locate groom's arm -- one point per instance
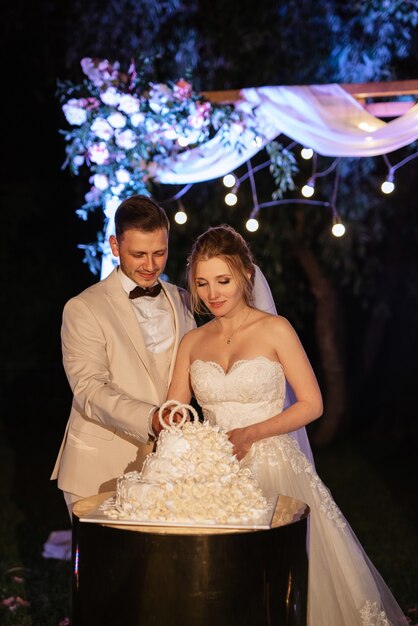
(88, 368)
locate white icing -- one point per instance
(192, 477)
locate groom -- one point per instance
(119, 344)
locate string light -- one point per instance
(231, 198)
(229, 180)
(308, 190)
(388, 185)
(252, 224)
(367, 127)
(181, 216)
(306, 153)
(338, 228)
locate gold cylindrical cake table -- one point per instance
(137, 575)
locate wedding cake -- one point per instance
(192, 477)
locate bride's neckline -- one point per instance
(236, 363)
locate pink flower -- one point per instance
(201, 116)
(182, 89)
(10, 602)
(64, 622)
(98, 153)
(21, 601)
(99, 71)
(18, 579)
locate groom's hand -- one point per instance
(156, 424)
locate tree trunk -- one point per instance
(328, 320)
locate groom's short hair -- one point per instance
(142, 213)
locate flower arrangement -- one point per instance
(124, 126)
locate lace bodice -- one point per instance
(251, 391)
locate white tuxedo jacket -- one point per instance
(107, 366)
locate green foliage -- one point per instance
(283, 167)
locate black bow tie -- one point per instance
(152, 292)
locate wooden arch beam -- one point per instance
(360, 91)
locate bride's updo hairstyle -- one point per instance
(224, 242)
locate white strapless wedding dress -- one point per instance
(345, 589)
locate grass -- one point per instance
(375, 490)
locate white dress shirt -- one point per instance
(156, 322)
(154, 316)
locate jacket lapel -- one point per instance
(172, 296)
(119, 301)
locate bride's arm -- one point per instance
(180, 388)
(299, 373)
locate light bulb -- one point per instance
(338, 229)
(252, 225)
(308, 190)
(387, 186)
(306, 153)
(180, 217)
(367, 127)
(231, 199)
(229, 180)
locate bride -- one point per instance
(236, 366)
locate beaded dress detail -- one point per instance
(345, 589)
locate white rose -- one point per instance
(128, 104)
(151, 126)
(101, 181)
(111, 96)
(123, 176)
(117, 120)
(101, 128)
(170, 133)
(98, 153)
(137, 119)
(74, 113)
(111, 206)
(159, 95)
(117, 190)
(126, 139)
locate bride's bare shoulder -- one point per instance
(276, 323)
(197, 334)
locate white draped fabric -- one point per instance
(322, 117)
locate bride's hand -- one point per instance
(241, 440)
